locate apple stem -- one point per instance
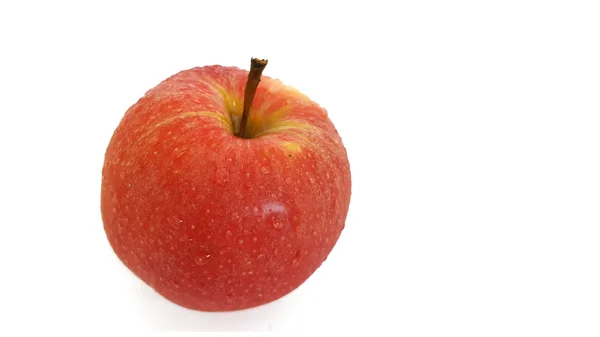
(256, 68)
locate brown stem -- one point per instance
(256, 68)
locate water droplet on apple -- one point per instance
(202, 259)
(312, 180)
(288, 180)
(222, 175)
(174, 221)
(296, 258)
(236, 218)
(180, 154)
(276, 214)
(265, 170)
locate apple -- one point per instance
(223, 190)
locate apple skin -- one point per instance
(214, 222)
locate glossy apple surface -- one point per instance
(215, 222)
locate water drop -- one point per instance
(222, 175)
(265, 170)
(236, 218)
(288, 180)
(174, 221)
(182, 153)
(296, 258)
(202, 259)
(275, 213)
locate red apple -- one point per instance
(216, 215)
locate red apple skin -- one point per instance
(214, 222)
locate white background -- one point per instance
(472, 127)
